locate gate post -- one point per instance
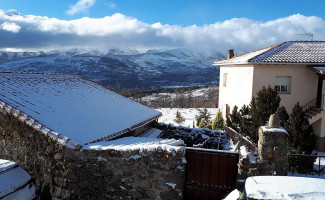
(272, 148)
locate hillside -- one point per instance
(125, 68)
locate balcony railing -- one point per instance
(311, 104)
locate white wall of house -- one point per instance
(243, 81)
(303, 82)
(238, 88)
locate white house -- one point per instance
(295, 68)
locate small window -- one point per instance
(225, 79)
(282, 84)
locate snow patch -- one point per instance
(252, 157)
(173, 185)
(138, 143)
(280, 129)
(284, 187)
(169, 114)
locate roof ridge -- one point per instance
(271, 48)
(251, 52)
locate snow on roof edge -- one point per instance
(21, 116)
(120, 133)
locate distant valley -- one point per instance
(127, 69)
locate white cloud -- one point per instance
(11, 27)
(119, 30)
(80, 6)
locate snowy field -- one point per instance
(169, 115)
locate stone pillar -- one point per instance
(273, 148)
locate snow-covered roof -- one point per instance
(6, 164)
(284, 187)
(297, 52)
(14, 182)
(70, 109)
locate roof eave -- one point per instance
(266, 63)
(284, 63)
(222, 64)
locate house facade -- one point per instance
(295, 69)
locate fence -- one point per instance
(237, 137)
(306, 164)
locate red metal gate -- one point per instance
(210, 174)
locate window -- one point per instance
(225, 79)
(282, 84)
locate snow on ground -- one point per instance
(169, 115)
(137, 143)
(284, 187)
(234, 195)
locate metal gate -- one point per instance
(210, 174)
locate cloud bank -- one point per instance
(120, 31)
(80, 6)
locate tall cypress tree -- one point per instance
(301, 133)
(283, 116)
(233, 120)
(266, 103)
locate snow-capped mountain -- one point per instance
(130, 68)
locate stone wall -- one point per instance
(61, 173)
(272, 151)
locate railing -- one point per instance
(311, 104)
(237, 137)
(306, 164)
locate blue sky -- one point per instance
(180, 12)
(147, 24)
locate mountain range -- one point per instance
(127, 68)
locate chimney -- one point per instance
(230, 53)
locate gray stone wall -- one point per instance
(61, 173)
(272, 151)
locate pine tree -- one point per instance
(203, 114)
(218, 122)
(234, 119)
(301, 133)
(246, 125)
(283, 116)
(179, 118)
(267, 102)
(202, 124)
